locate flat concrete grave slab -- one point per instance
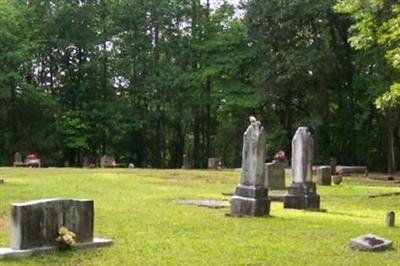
(370, 242)
(208, 203)
(9, 253)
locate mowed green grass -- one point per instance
(134, 207)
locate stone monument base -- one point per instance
(9, 253)
(250, 201)
(301, 196)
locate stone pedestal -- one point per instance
(302, 196)
(251, 196)
(250, 201)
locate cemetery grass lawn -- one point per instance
(135, 208)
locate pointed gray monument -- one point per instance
(251, 196)
(302, 193)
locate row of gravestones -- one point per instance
(106, 161)
(31, 160)
(36, 227)
(251, 195)
(275, 176)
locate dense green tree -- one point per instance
(375, 31)
(150, 81)
(306, 73)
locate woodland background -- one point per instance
(149, 81)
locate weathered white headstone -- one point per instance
(251, 197)
(302, 193)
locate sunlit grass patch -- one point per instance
(135, 207)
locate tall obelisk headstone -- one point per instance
(302, 193)
(251, 197)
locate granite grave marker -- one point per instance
(251, 196)
(35, 225)
(302, 192)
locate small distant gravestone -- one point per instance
(86, 162)
(35, 225)
(302, 193)
(107, 161)
(187, 162)
(371, 243)
(251, 196)
(17, 157)
(213, 163)
(390, 218)
(275, 175)
(324, 176)
(18, 160)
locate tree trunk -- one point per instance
(391, 160)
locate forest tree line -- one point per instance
(150, 81)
